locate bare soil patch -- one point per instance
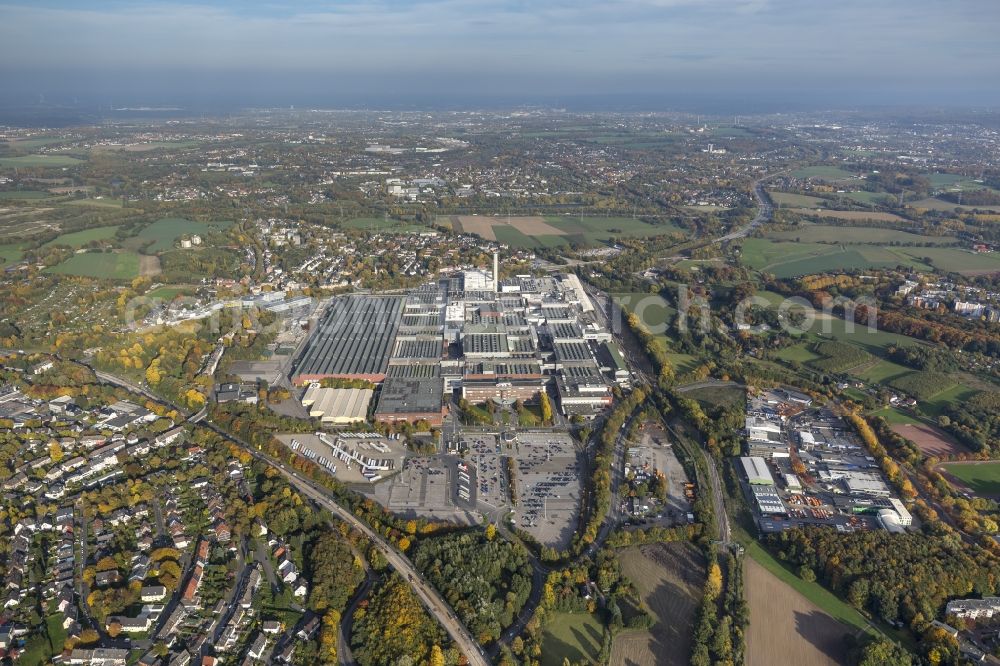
(669, 578)
(929, 439)
(786, 629)
(149, 265)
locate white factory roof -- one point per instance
(342, 405)
(756, 470)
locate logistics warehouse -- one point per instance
(469, 334)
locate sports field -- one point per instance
(930, 440)
(25, 161)
(165, 232)
(982, 478)
(554, 230)
(111, 265)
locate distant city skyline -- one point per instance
(624, 53)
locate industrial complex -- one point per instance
(469, 336)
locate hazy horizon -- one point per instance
(724, 55)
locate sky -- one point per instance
(640, 53)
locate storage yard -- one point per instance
(806, 466)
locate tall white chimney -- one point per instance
(496, 272)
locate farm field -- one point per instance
(669, 578)
(381, 224)
(11, 253)
(933, 203)
(982, 478)
(103, 203)
(784, 199)
(850, 215)
(79, 238)
(883, 371)
(935, 406)
(166, 231)
(573, 636)
(792, 259)
(799, 353)
(829, 233)
(552, 231)
(824, 173)
(865, 197)
(786, 628)
(111, 265)
(54, 161)
(930, 440)
(24, 194)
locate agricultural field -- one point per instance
(382, 224)
(785, 199)
(54, 161)
(829, 233)
(24, 195)
(552, 231)
(11, 253)
(100, 203)
(786, 628)
(573, 636)
(881, 372)
(939, 402)
(850, 215)
(798, 353)
(164, 233)
(830, 173)
(930, 440)
(933, 203)
(836, 356)
(80, 238)
(792, 259)
(669, 578)
(923, 385)
(110, 265)
(981, 478)
(868, 198)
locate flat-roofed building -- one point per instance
(756, 471)
(353, 340)
(337, 405)
(411, 400)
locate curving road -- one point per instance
(765, 211)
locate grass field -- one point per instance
(39, 161)
(982, 478)
(800, 353)
(24, 194)
(937, 404)
(166, 231)
(11, 253)
(850, 215)
(831, 173)
(829, 233)
(783, 199)
(718, 395)
(933, 203)
(883, 371)
(116, 266)
(101, 203)
(169, 293)
(555, 230)
(381, 224)
(867, 198)
(786, 627)
(80, 238)
(669, 578)
(573, 636)
(652, 309)
(894, 416)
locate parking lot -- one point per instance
(310, 446)
(548, 487)
(485, 460)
